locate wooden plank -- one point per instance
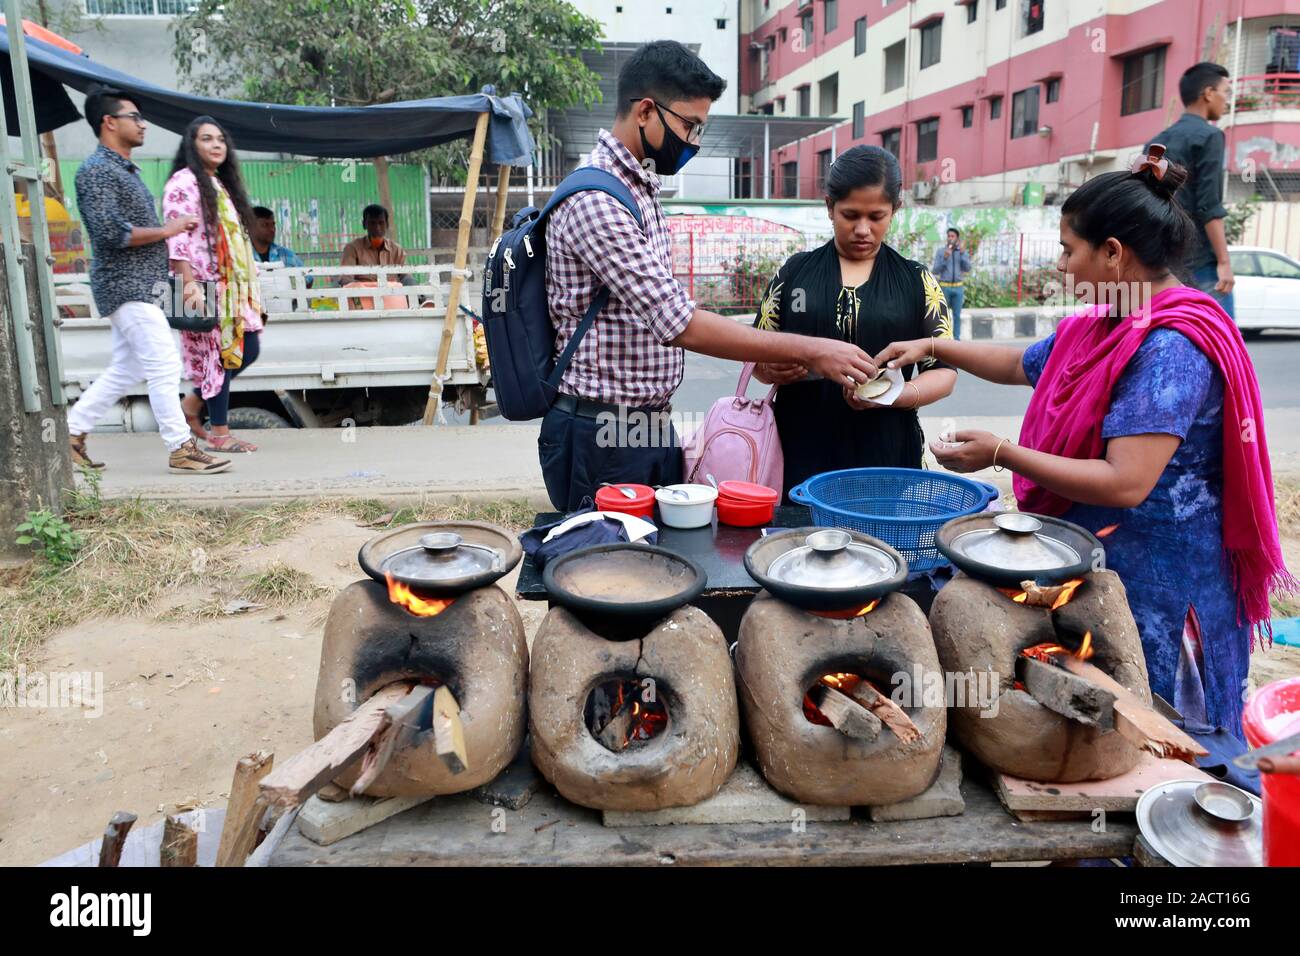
(110, 849)
(244, 810)
(180, 844)
(1067, 693)
(304, 773)
(143, 846)
(890, 714)
(845, 714)
(406, 718)
(448, 731)
(327, 823)
(1135, 720)
(451, 831)
(1116, 795)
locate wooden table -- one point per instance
(550, 831)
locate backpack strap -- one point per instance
(582, 180)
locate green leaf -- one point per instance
(24, 539)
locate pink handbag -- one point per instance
(737, 441)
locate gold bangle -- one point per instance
(918, 394)
(995, 454)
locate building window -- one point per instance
(831, 18)
(1031, 16)
(895, 65)
(995, 108)
(967, 117)
(828, 95)
(1000, 5)
(859, 36)
(139, 8)
(1024, 113)
(931, 34)
(790, 180)
(859, 119)
(1144, 82)
(927, 140)
(890, 140)
(805, 101)
(722, 23)
(806, 24)
(1053, 90)
(823, 169)
(972, 11)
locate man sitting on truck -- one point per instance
(372, 249)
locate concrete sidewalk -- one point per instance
(396, 464)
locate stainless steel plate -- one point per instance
(1014, 543)
(831, 559)
(441, 559)
(1195, 823)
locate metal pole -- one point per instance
(1232, 108)
(767, 161)
(1020, 270)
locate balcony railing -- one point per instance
(1269, 91)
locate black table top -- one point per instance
(719, 549)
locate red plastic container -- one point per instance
(642, 506)
(744, 514)
(748, 493)
(1274, 713)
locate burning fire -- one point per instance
(1107, 531)
(1047, 652)
(840, 681)
(849, 614)
(1062, 598)
(630, 718)
(399, 593)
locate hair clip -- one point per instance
(1155, 162)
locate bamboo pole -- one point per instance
(503, 195)
(457, 278)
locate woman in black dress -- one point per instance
(861, 290)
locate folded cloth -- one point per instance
(547, 542)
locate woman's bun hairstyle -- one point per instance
(1174, 178)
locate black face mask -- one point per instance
(675, 152)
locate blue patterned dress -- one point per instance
(1168, 550)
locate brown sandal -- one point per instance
(195, 421)
(229, 444)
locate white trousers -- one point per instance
(143, 349)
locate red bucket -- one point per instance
(1274, 713)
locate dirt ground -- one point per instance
(183, 700)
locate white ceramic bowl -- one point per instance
(693, 511)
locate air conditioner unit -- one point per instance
(921, 190)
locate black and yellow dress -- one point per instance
(900, 300)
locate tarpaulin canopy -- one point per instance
(326, 131)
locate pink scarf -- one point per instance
(1073, 395)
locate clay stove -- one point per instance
(632, 704)
(815, 682)
(981, 627)
(384, 631)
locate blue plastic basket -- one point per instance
(903, 507)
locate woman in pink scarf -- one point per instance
(1145, 425)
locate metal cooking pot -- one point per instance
(1008, 548)
(441, 557)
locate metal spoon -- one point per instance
(627, 492)
(712, 481)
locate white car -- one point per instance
(1267, 292)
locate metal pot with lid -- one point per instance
(1199, 823)
(825, 569)
(1011, 547)
(441, 557)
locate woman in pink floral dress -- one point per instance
(217, 265)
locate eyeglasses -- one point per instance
(694, 130)
(134, 117)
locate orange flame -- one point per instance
(1045, 652)
(1062, 599)
(1107, 531)
(840, 681)
(849, 614)
(399, 593)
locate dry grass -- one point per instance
(137, 552)
(1286, 493)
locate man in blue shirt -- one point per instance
(265, 248)
(1196, 143)
(951, 263)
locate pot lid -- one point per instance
(748, 492)
(1015, 542)
(686, 494)
(441, 557)
(1195, 823)
(831, 559)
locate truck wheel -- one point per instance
(252, 417)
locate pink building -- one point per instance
(987, 101)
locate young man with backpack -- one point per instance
(628, 358)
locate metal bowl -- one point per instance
(1195, 823)
(627, 584)
(441, 557)
(825, 569)
(1008, 548)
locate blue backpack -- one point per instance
(516, 316)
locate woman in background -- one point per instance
(859, 289)
(216, 263)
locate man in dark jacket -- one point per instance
(1197, 144)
